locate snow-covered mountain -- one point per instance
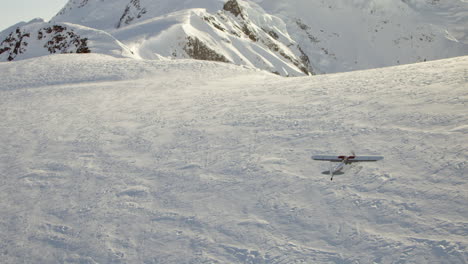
(38, 38)
(344, 35)
(237, 32)
(290, 38)
(108, 160)
(234, 31)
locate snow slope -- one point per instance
(109, 14)
(195, 33)
(137, 161)
(38, 38)
(345, 35)
(238, 32)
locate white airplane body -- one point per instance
(344, 160)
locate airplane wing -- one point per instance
(348, 158)
(366, 158)
(327, 158)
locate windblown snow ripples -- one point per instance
(175, 162)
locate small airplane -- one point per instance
(344, 160)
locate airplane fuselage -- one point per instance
(345, 159)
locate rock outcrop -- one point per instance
(39, 38)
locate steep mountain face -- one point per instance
(344, 35)
(293, 38)
(132, 11)
(39, 38)
(238, 32)
(111, 14)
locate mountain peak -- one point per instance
(291, 39)
(233, 7)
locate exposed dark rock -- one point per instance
(83, 46)
(5, 49)
(273, 34)
(200, 51)
(132, 11)
(213, 22)
(58, 29)
(56, 39)
(83, 3)
(15, 44)
(303, 65)
(305, 60)
(233, 7)
(301, 25)
(235, 34)
(295, 62)
(246, 28)
(306, 29)
(250, 33)
(61, 42)
(271, 45)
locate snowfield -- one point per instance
(108, 160)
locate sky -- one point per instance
(12, 12)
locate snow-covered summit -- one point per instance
(109, 14)
(232, 34)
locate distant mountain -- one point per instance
(293, 38)
(345, 35)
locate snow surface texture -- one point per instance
(109, 160)
(290, 38)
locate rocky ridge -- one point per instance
(39, 38)
(54, 39)
(238, 32)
